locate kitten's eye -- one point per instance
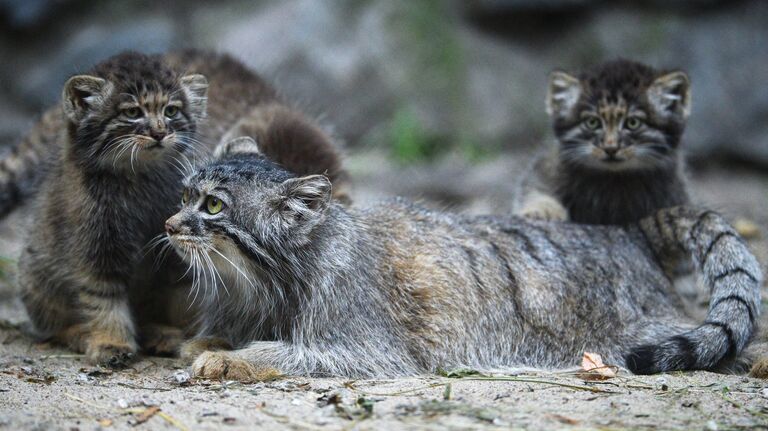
(592, 123)
(185, 197)
(633, 123)
(214, 205)
(171, 111)
(132, 112)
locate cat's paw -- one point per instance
(195, 347)
(544, 208)
(225, 366)
(109, 351)
(760, 368)
(160, 340)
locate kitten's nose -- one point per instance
(157, 135)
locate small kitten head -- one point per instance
(132, 109)
(620, 116)
(245, 208)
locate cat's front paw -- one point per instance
(760, 368)
(225, 366)
(196, 346)
(109, 351)
(159, 340)
(544, 208)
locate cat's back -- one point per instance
(233, 88)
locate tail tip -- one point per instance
(640, 360)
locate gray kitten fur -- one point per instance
(302, 285)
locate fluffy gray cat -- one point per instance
(299, 284)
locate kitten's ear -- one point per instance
(196, 89)
(562, 93)
(306, 199)
(671, 93)
(83, 93)
(241, 145)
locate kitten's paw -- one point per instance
(159, 340)
(760, 368)
(225, 366)
(195, 347)
(109, 351)
(544, 208)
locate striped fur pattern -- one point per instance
(240, 103)
(618, 129)
(299, 284)
(94, 275)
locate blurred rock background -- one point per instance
(436, 99)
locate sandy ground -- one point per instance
(44, 387)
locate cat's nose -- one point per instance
(171, 228)
(611, 151)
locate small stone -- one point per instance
(662, 383)
(230, 420)
(181, 377)
(711, 426)
(296, 402)
(121, 403)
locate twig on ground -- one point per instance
(740, 406)
(289, 421)
(148, 412)
(131, 386)
(63, 356)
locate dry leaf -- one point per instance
(564, 419)
(147, 414)
(746, 228)
(593, 368)
(105, 422)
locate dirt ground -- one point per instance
(44, 387)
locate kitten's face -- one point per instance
(135, 113)
(621, 117)
(244, 212)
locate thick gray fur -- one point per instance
(303, 285)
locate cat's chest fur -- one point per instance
(617, 198)
(119, 216)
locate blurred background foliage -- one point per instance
(417, 80)
(438, 100)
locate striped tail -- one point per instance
(733, 276)
(21, 168)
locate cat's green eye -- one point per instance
(132, 112)
(185, 197)
(171, 111)
(633, 123)
(592, 123)
(213, 205)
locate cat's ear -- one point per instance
(83, 93)
(671, 94)
(196, 89)
(563, 93)
(305, 200)
(241, 145)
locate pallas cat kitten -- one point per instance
(617, 159)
